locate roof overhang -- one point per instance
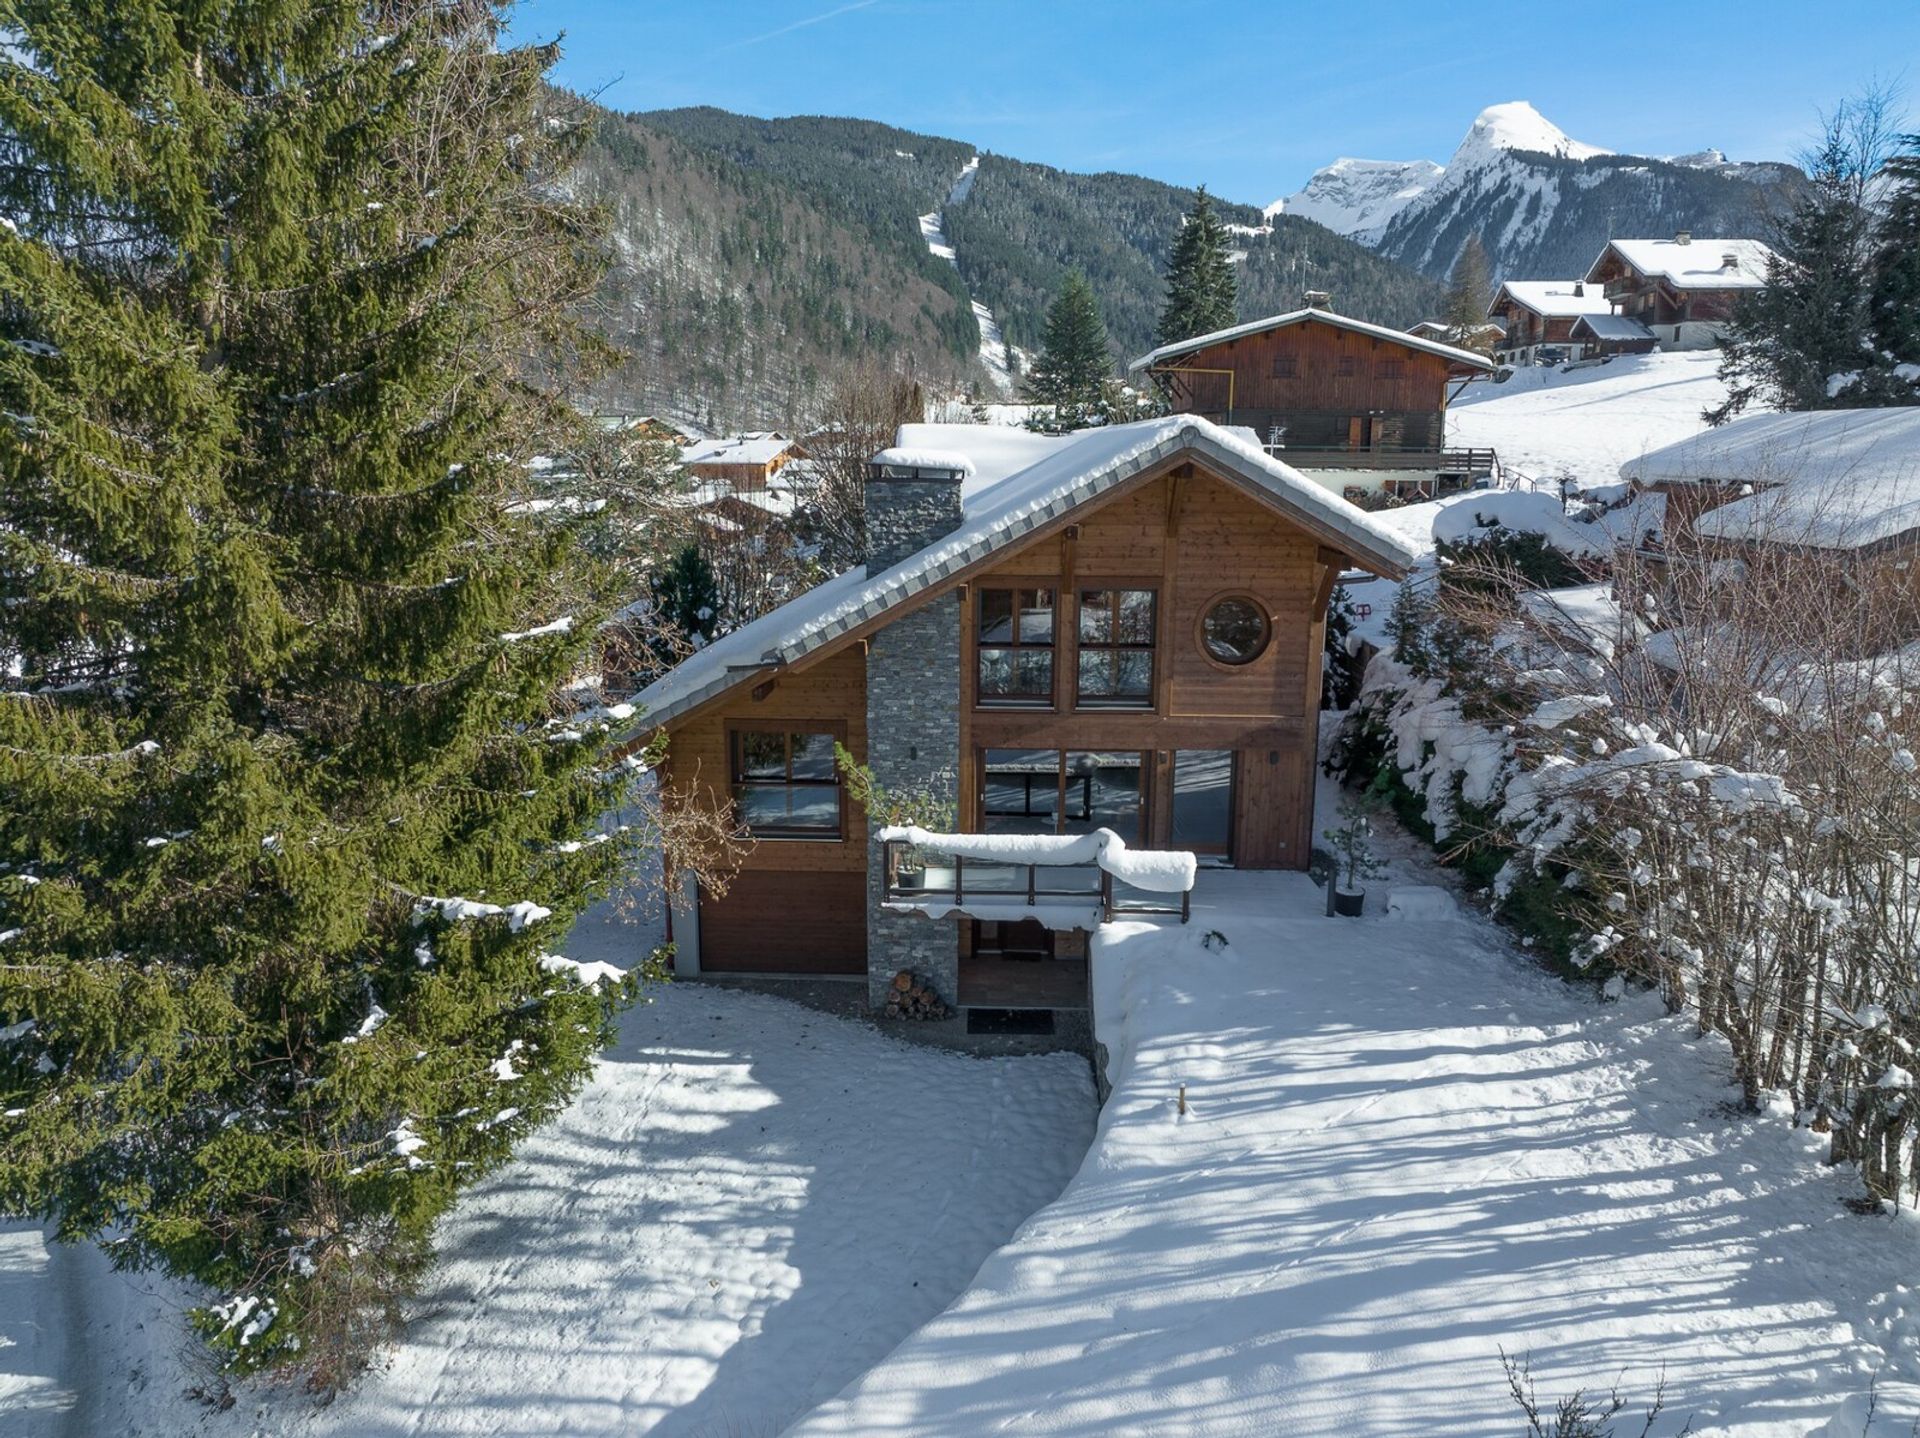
(1162, 357)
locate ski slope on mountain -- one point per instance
(1404, 1148)
(993, 344)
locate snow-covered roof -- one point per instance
(1831, 479)
(1700, 264)
(902, 456)
(1612, 327)
(1294, 317)
(1020, 482)
(762, 447)
(1555, 299)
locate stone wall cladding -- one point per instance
(913, 719)
(913, 741)
(904, 516)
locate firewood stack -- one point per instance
(911, 997)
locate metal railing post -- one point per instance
(959, 879)
(1033, 871)
(1106, 897)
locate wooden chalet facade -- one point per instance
(743, 461)
(1356, 405)
(1121, 630)
(1541, 315)
(1684, 289)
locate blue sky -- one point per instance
(1248, 97)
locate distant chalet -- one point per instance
(1358, 407)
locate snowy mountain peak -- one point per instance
(1516, 125)
(1358, 197)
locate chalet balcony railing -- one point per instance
(1448, 461)
(917, 874)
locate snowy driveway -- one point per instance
(751, 1204)
(1404, 1149)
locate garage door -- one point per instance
(786, 923)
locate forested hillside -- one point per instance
(756, 256)
(1025, 225)
(738, 294)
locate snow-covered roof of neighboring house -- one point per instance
(1021, 481)
(760, 447)
(1553, 299)
(1829, 479)
(1428, 328)
(1612, 327)
(1294, 317)
(1700, 264)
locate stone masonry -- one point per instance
(913, 719)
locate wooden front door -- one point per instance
(772, 922)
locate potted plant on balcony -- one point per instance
(1354, 861)
(925, 806)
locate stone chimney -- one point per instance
(1317, 300)
(1683, 237)
(912, 499)
(1579, 289)
(1729, 261)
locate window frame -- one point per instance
(1017, 645)
(1062, 784)
(1112, 647)
(737, 730)
(1266, 631)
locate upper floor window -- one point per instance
(1015, 642)
(1284, 367)
(786, 784)
(1116, 647)
(1347, 367)
(1388, 369)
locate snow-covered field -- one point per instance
(750, 1205)
(1405, 1148)
(1588, 422)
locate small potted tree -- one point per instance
(1353, 858)
(921, 807)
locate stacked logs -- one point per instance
(911, 997)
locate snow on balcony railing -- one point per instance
(1073, 879)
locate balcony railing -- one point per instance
(1440, 461)
(916, 875)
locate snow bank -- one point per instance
(1160, 871)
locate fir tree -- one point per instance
(1469, 292)
(295, 798)
(1200, 279)
(1076, 362)
(686, 601)
(1894, 304)
(1810, 326)
(1343, 667)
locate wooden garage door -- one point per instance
(786, 923)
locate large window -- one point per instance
(1051, 791)
(1116, 648)
(785, 783)
(1015, 629)
(1203, 800)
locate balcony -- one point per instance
(1068, 881)
(1470, 462)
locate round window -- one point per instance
(1235, 630)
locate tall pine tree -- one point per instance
(1788, 343)
(1469, 292)
(1200, 279)
(295, 800)
(1894, 305)
(1076, 360)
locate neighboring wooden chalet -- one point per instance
(1120, 628)
(1837, 489)
(649, 425)
(1540, 315)
(1488, 336)
(1683, 289)
(1357, 406)
(1595, 335)
(745, 461)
